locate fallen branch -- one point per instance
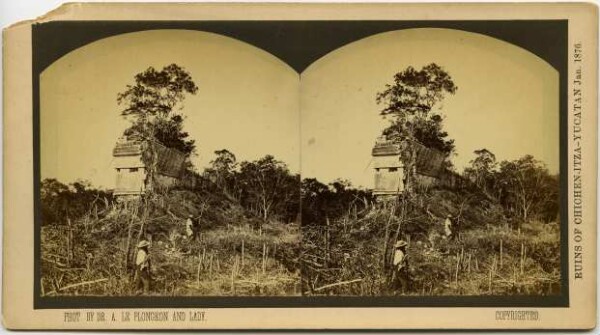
(70, 269)
(54, 255)
(318, 265)
(55, 262)
(83, 283)
(338, 284)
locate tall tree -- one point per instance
(482, 169)
(150, 105)
(410, 102)
(269, 188)
(169, 132)
(225, 161)
(222, 171)
(321, 202)
(527, 188)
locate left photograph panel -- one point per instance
(169, 166)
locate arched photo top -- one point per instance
(300, 43)
(507, 100)
(139, 38)
(242, 90)
(450, 37)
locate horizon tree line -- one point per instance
(266, 186)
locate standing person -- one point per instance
(448, 232)
(142, 276)
(400, 266)
(195, 229)
(189, 226)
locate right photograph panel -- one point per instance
(430, 167)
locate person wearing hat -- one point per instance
(142, 276)
(400, 266)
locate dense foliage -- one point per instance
(321, 202)
(524, 186)
(265, 187)
(60, 202)
(411, 103)
(150, 105)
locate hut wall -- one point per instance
(130, 180)
(389, 175)
(429, 167)
(131, 172)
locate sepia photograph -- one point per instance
(169, 166)
(301, 167)
(192, 173)
(430, 166)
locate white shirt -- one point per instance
(399, 256)
(188, 227)
(447, 227)
(142, 255)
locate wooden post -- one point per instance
(521, 258)
(490, 281)
(233, 266)
(127, 259)
(143, 222)
(327, 251)
(198, 271)
(69, 242)
(500, 253)
(457, 269)
(242, 261)
(469, 263)
(386, 236)
(263, 257)
(266, 258)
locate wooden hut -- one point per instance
(131, 172)
(390, 161)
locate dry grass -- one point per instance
(238, 255)
(490, 261)
(490, 257)
(232, 257)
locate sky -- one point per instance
(247, 101)
(322, 123)
(507, 100)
